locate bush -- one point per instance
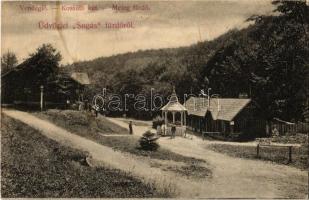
(148, 141)
(157, 121)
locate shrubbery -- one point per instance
(148, 141)
(157, 121)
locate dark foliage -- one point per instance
(268, 61)
(43, 64)
(157, 121)
(8, 61)
(22, 83)
(148, 141)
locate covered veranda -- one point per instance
(174, 114)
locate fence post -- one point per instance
(290, 154)
(258, 150)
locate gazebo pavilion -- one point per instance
(174, 108)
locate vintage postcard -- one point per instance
(155, 99)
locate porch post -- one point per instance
(185, 118)
(173, 117)
(181, 116)
(231, 126)
(165, 118)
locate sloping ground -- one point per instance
(166, 182)
(162, 158)
(118, 138)
(236, 177)
(35, 166)
(83, 122)
(278, 154)
(297, 138)
(232, 177)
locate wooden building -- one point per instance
(224, 116)
(18, 87)
(82, 81)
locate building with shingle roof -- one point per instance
(224, 115)
(18, 86)
(220, 108)
(81, 78)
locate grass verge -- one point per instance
(81, 121)
(269, 153)
(69, 120)
(37, 167)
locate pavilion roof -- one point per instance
(173, 104)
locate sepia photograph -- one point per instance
(198, 99)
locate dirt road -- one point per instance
(232, 177)
(106, 156)
(236, 177)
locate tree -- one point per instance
(284, 51)
(41, 67)
(8, 61)
(269, 61)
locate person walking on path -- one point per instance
(173, 130)
(130, 128)
(159, 131)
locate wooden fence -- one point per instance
(289, 147)
(302, 127)
(291, 128)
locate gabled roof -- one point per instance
(173, 104)
(14, 69)
(81, 78)
(282, 121)
(220, 108)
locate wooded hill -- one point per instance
(268, 61)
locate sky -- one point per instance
(165, 24)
